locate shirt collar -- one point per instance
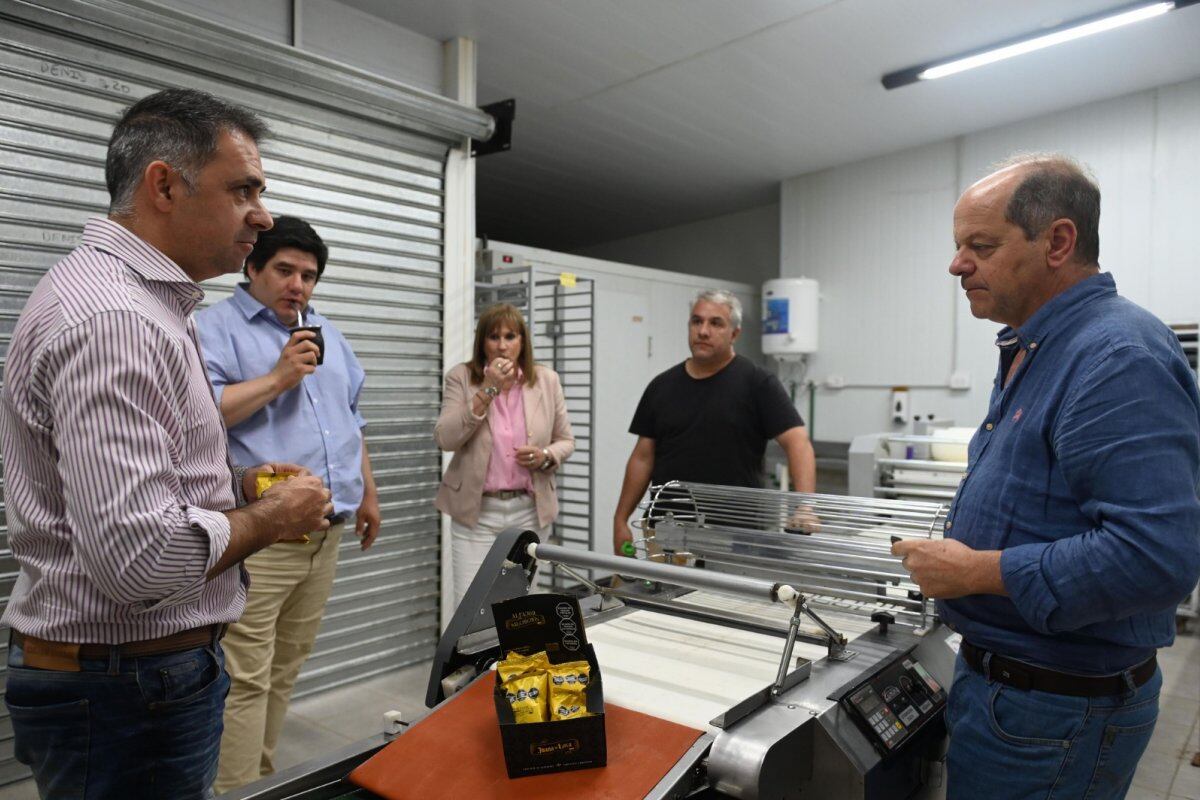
(250, 307)
(246, 303)
(142, 257)
(1058, 311)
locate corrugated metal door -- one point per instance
(373, 190)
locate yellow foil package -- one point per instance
(527, 696)
(567, 705)
(517, 664)
(263, 482)
(568, 683)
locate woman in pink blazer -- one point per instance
(505, 419)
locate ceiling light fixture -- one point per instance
(1066, 32)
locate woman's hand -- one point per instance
(500, 374)
(530, 457)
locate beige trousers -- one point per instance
(264, 650)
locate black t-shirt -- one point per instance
(713, 430)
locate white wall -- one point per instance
(877, 235)
(270, 19)
(738, 247)
(333, 30)
(383, 48)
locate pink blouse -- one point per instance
(507, 421)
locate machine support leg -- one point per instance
(788, 646)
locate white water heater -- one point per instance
(789, 317)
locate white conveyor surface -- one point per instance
(688, 671)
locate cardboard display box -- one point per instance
(554, 623)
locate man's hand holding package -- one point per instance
(250, 478)
(945, 568)
(300, 504)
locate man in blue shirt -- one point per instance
(1076, 530)
(276, 398)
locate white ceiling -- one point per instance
(635, 115)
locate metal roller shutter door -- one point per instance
(371, 183)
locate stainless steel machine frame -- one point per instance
(822, 562)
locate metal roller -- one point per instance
(667, 573)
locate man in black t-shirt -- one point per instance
(708, 419)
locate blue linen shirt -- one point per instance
(1085, 475)
(316, 424)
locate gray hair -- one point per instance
(724, 298)
(178, 126)
(1053, 187)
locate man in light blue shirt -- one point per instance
(288, 384)
(1076, 530)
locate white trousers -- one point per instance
(468, 546)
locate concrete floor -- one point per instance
(344, 715)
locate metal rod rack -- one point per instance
(834, 549)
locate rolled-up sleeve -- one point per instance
(1128, 443)
(358, 379)
(118, 419)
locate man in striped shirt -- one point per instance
(125, 515)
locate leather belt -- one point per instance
(506, 494)
(1024, 676)
(65, 656)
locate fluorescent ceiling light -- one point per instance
(1028, 44)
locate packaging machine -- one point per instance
(777, 625)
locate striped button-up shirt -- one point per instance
(115, 461)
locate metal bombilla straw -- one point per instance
(299, 314)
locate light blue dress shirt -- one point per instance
(315, 424)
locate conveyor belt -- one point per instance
(688, 671)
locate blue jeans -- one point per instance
(147, 727)
(1020, 745)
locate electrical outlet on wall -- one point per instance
(960, 380)
(836, 382)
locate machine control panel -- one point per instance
(895, 703)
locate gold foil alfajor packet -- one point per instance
(262, 482)
(568, 705)
(516, 664)
(527, 696)
(568, 683)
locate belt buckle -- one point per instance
(1013, 676)
(56, 656)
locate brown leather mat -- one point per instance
(455, 752)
